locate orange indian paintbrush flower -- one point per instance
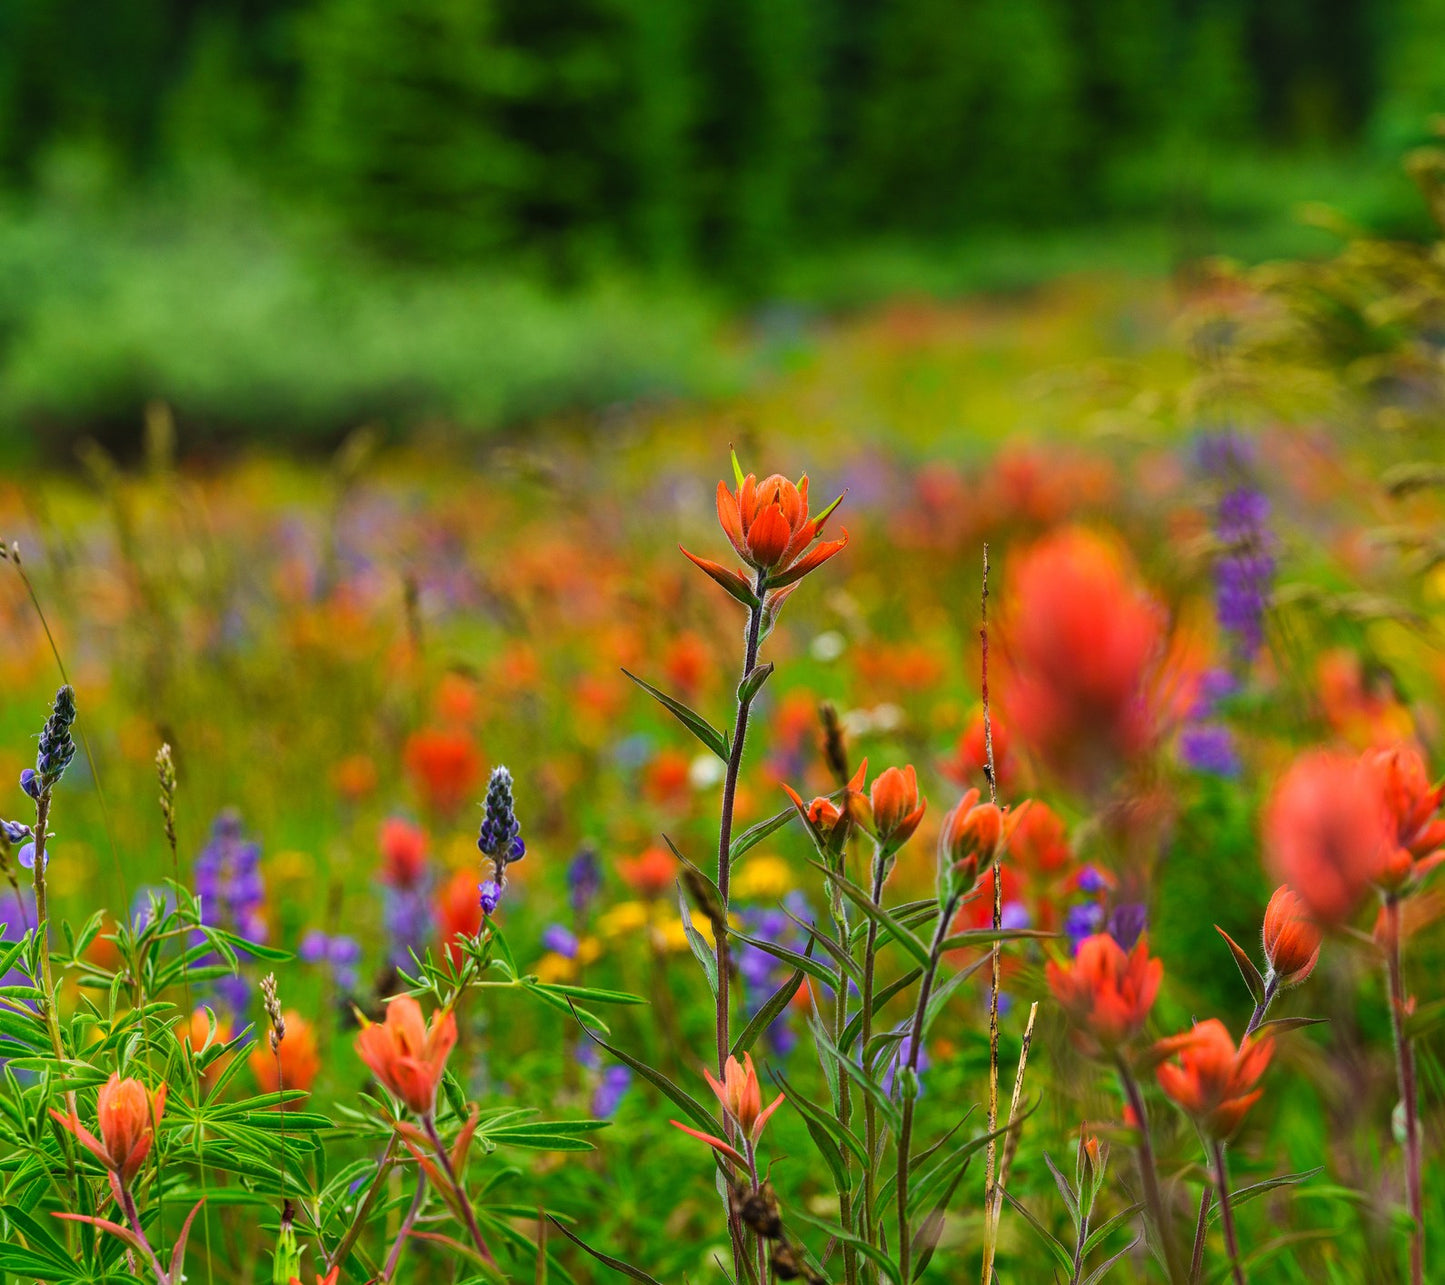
(1107, 993)
(1213, 1082)
(769, 526)
(971, 837)
(127, 1114)
(1411, 807)
(1291, 938)
(742, 1104)
(406, 1055)
(330, 1278)
(892, 809)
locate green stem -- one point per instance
(1148, 1173)
(463, 1200)
(1405, 1064)
(1226, 1214)
(868, 1214)
(363, 1211)
(915, 1043)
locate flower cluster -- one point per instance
(56, 748)
(232, 894)
(500, 838)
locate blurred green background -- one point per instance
(286, 216)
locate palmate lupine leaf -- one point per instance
(690, 719)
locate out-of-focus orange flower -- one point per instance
(444, 766)
(650, 873)
(403, 852)
(1083, 641)
(1036, 839)
(102, 951)
(1365, 711)
(1411, 807)
(456, 700)
(458, 912)
(354, 777)
(406, 1054)
(1213, 1082)
(1291, 938)
(769, 526)
(195, 1031)
(666, 778)
(892, 809)
(297, 1053)
(1325, 834)
(970, 759)
(686, 662)
(127, 1115)
(1105, 992)
(742, 1103)
(331, 1277)
(971, 837)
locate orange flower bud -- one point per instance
(127, 1115)
(407, 1056)
(1107, 993)
(1213, 1082)
(971, 837)
(1291, 938)
(892, 809)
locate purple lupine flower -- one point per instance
(560, 940)
(26, 857)
(1082, 920)
(1244, 569)
(584, 879)
(406, 914)
(56, 747)
(762, 973)
(14, 832)
(1209, 748)
(1090, 880)
(501, 833)
(611, 1089)
(1127, 922)
(232, 894)
(341, 954)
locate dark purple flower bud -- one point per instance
(15, 832)
(30, 782)
(584, 879)
(500, 836)
(491, 896)
(1127, 922)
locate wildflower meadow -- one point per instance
(965, 807)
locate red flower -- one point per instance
(458, 912)
(1107, 993)
(1325, 835)
(330, 1278)
(127, 1115)
(1291, 938)
(651, 873)
(971, 837)
(1213, 1082)
(406, 1055)
(403, 852)
(1036, 839)
(666, 780)
(1083, 643)
(1411, 807)
(300, 1061)
(444, 766)
(829, 818)
(971, 756)
(769, 526)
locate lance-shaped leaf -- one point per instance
(815, 968)
(755, 834)
(698, 1113)
(616, 1264)
(1247, 970)
(178, 1255)
(1102, 1270)
(1106, 1229)
(701, 950)
(769, 1012)
(842, 1234)
(690, 719)
(1255, 1190)
(1054, 1245)
(1280, 1024)
(908, 940)
(753, 683)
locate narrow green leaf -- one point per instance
(694, 1110)
(1245, 964)
(908, 940)
(690, 719)
(1255, 1190)
(616, 1264)
(697, 943)
(872, 1254)
(1055, 1246)
(754, 835)
(753, 683)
